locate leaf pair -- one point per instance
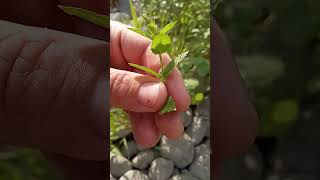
(161, 43)
(168, 69)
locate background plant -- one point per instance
(192, 33)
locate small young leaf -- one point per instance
(134, 15)
(145, 69)
(92, 17)
(170, 106)
(146, 18)
(173, 63)
(168, 27)
(153, 28)
(140, 32)
(161, 43)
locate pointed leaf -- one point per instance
(134, 15)
(146, 69)
(153, 28)
(170, 106)
(140, 32)
(173, 63)
(161, 43)
(168, 27)
(92, 17)
(146, 18)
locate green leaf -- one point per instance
(146, 69)
(202, 66)
(170, 106)
(191, 84)
(173, 63)
(197, 98)
(285, 112)
(141, 32)
(134, 15)
(153, 28)
(146, 18)
(168, 27)
(161, 43)
(93, 17)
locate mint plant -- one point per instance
(161, 44)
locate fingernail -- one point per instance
(148, 94)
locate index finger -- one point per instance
(130, 47)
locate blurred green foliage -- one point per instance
(119, 126)
(277, 45)
(26, 164)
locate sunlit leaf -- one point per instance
(153, 28)
(197, 98)
(161, 43)
(146, 69)
(147, 18)
(173, 63)
(92, 17)
(168, 27)
(170, 106)
(140, 32)
(134, 15)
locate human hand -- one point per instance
(142, 96)
(54, 84)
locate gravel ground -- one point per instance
(187, 158)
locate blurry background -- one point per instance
(277, 47)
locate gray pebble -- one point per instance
(197, 130)
(131, 150)
(160, 169)
(119, 165)
(186, 117)
(180, 151)
(112, 178)
(200, 166)
(143, 159)
(134, 175)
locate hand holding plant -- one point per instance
(126, 83)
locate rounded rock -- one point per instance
(200, 167)
(161, 169)
(134, 175)
(119, 165)
(130, 150)
(180, 151)
(143, 159)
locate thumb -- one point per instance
(136, 92)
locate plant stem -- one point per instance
(161, 63)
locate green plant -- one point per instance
(192, 32)
(161, 44)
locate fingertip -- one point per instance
(162, 97)
(170, 125)
(144, 129)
